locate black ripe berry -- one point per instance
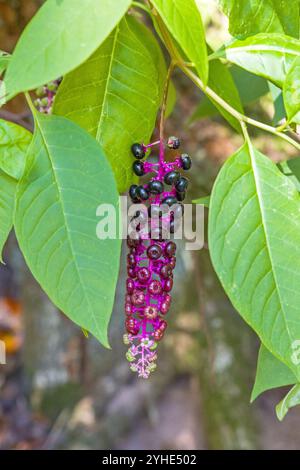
(172, 177)
(138, 168)
(142, 193)
(133, 192)
(138, 151)
(182, 184)
(155, 187)
(169, 200)
(186, 161)
(180, 196)
(170, 249)
(173, 143)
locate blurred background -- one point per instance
(60, 390)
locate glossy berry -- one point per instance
(131, 260)
(143, 274)
(182, 184)
(155, 287)
(163, 325)
(169, 200)
(133, 192)
(128, 309)
(170, 249)
(130, 286)
(168, 285)
(172, 262)
(138, 168)
(138, 151)
(132, 326)
(137, 297)
(158, 335)
(131, 272)
(166, 271)
(180, 196)
(154, 251)
(173, 143)
(150, 312)
(186, 161)
(172, 177)
(155, 187)
(142, 193)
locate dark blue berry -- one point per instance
(142, 193)
(138, 168)
(133, 192)
(172, 177)
(155, 187)
(169, 200)
(180, 196)
(182, 184)
(154, 251)
(186, 161)
(138, 151)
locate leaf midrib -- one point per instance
(66, 226)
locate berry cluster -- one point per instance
(151, 259)
(46, 95)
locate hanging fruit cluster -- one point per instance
(151, 258)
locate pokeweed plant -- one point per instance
(114, 81)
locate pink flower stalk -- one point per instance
(151, 259)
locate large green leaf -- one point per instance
(279, 109)
(291, 92)
(290, 400)
(291, 168)
(267, 55)
(247, 17)
(116, 94)
(66, 178)
(270, 373)
(14, 142)
(184, 22)
(61, 36)
(254, 240)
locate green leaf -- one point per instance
(184, 22)
(116, 94)
(279, 109)
(247, 17)
(291, 169)
(250, 88)
(270, 373)
(61, 36)
(7, 203)
(291, 92)
(254, 240)
(4, 60)
(66, 178)
(203, 201)
(14, 142)
(221, 81)
(290, 400)
(267, 55)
